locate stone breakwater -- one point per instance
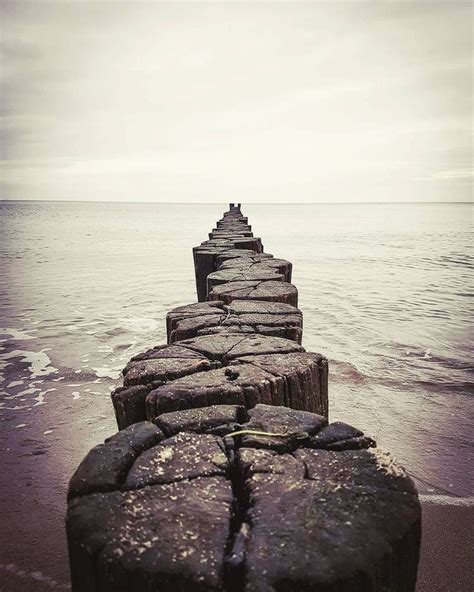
(225, 474)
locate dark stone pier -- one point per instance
(225, 474)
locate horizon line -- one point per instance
(259, 203)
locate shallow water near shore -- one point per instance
(386, 292)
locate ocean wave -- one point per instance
(39, 363)
(113, 373)
(14, 335)
(345, 372)
(458, 259)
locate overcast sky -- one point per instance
(248, 102)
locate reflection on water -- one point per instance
(386, 292)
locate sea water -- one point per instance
(386, 291)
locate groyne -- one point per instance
(225, 474)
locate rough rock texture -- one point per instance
(228, 368)
(269, 291)
(252, 316)
(218, 507)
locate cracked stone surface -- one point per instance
(227, 368)
(200, 505)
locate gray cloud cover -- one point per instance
(252, 102)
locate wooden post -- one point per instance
(222, 368)
(239, 484)
(223, 499)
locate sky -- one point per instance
(231, 101)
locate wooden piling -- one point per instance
(275, 319)
(219, 369)
(239, 484)
(223, 499)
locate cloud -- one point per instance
(334, 101)
(464, 173)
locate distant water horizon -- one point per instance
(224, 204)
(386, 294)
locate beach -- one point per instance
(386, 294)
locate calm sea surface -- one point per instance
(386, 292)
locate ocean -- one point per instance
(386, 291)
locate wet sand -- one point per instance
(35, 472)
(447, 550)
